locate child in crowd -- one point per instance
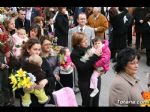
(65, 69)
(19, 39)
(33, 66)
(102, 65)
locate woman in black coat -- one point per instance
(119, 31)
(61, 26)
(85, 70)
(146, 37)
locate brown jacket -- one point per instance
(101, 23)
(125, 91)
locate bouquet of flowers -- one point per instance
(62, 59)
(146, 97)
(21, 79)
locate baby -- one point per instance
(102, 65)
(19, 39)
(34, 67)
(66, 65)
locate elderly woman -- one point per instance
(125, 89)
(85, 70)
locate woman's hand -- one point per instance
(57, 77)
(41, 84)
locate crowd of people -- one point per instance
(53, 43)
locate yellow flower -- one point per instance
(21, 73)
(19, 85)
(13, 79)
(26, 82)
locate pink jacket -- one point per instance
(104, 60)
(17, 42)
(68, 61)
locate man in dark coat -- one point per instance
(21, 21)
(139, 15)
(61, 26)
(146, 38)
(119, 33)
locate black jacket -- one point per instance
(146, 35)
(61, 26)
(139, 14)
(85, 70)
(19, 24)
(119, 30)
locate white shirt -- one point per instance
(80, 28)
(28, 14)
(148, 23)
(52, 27)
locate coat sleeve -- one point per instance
(69, 39)
(118, 94)
(56, 71)
(45, 67)
(103, 59)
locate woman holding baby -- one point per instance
(85, 70)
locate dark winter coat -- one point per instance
(19, 24)
(139, 14)
(61, 26)
(119, 31)
(85, 71)
(146, 35)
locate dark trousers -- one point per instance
(129, 35)
(138, 37)
(148, 55)
(86, 91)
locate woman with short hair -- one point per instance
(85, 70)
(125, 89)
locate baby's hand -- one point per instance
(72, 64)
(4, 66)
(100, 72)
